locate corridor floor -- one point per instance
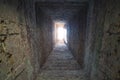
(61, 65)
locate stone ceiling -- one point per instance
(61, 10)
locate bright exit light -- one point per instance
(61, 33)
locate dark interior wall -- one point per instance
(39, 27)
(90, 39)
(33, 39)
(76, 34)
(110, 51)
(14, 47)
(24, 46)
(102, 47)
(21, 53)
(45, 27)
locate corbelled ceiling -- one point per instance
(61, 10)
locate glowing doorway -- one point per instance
(60, 33)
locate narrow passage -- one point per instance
(61, 65)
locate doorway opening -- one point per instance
(60, 32)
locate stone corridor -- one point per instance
(61, 65)
(29, 30)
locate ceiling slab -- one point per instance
(60, 10)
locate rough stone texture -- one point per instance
(109, 62)
(14, 47)
(102, 46)
(76, 35)
(24, 46)
(18, 16)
